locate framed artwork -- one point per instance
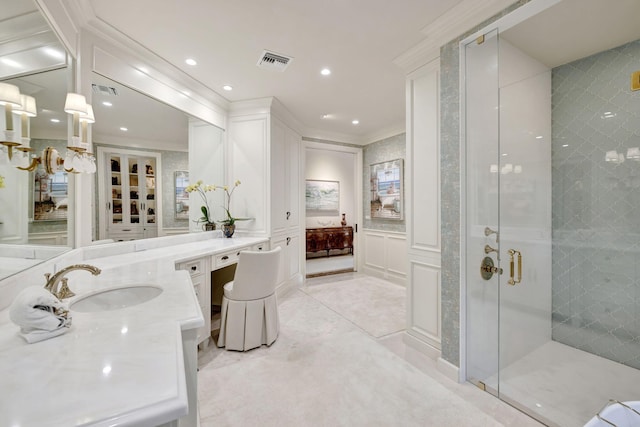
(181, 180)
(322, 198)
(386, 190)
(50, 196)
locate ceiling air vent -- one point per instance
(274, 61)
(104, 90)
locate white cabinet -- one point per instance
(264, 153)
(423, 205)
(129, 194)
(290, 258)
(200, 271)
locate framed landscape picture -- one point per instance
(322, 198)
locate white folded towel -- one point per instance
(39, 314)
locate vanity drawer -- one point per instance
(225, 259)
(194, 267)
(264, 246)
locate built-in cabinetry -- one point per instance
(264, 152)
(199, 269)
(129, 194)
(209, 273)
(285, 198)
(329, 238)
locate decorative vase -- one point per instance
(344, 220)
(209, 226)
(228, 230)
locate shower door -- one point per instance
(482, 209)
(508, 214)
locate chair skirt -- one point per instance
(248, 324)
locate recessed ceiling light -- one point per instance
(227, 87)
(539, 137)
(355, 122)
(326, 116)
(504, 154)
(325, 71)
(107, 104)
(565, 145)
(124, 129)
(191, 61)
(55, 120)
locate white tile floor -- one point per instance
(323, 371)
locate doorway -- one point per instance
(332, 195)
(547, 224)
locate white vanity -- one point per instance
(129, 366)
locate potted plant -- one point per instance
(229, 223)
(206, 219)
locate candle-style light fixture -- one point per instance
(77, 159)
(10, 99)
(26, 110)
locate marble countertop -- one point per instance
(119, 367)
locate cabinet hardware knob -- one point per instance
(194, 268)
(288, 240)
(224, 258)
(288, 215)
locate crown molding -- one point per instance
(61, 16)
(388, 132)
(453, 23)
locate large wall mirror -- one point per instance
(34, 206)
(141, 142)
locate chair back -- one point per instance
(256, 274)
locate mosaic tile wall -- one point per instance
(450, 188)
(387, 149)
(596, 205)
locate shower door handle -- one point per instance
(512, 281)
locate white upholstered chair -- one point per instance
(249, 315)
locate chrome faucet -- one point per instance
(62, 291)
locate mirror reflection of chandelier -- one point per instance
(16, 151)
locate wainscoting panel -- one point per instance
(424, 318)
(384, 255)
(423, 207)
(396, 247)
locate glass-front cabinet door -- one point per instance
(129, 193)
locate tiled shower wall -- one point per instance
(596, 205)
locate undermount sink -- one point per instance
(116, 298)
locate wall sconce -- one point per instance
(10, 98)
(76, 159)
(633, 153)
(26, 110)
(614, 157)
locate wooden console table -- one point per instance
(328, 238)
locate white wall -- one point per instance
(329, 165)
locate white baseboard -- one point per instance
(402, 281)
(449, 370)
(421, 346)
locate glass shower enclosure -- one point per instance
(551, 226)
